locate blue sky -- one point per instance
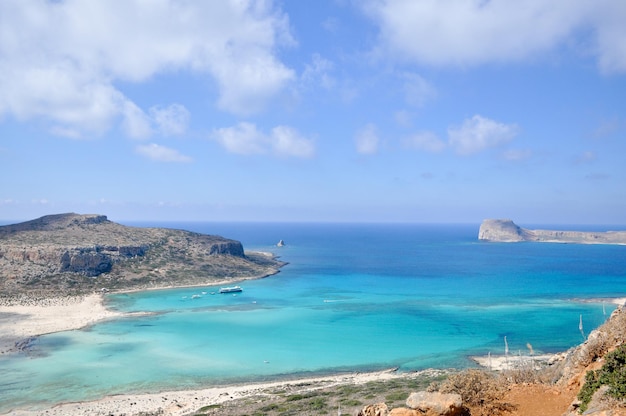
(326, 110)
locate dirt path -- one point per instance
(538, 400)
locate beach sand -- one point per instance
(184, 402)
(22, 321)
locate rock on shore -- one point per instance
(505, 230)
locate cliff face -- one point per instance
(69, 251)
(501, 230)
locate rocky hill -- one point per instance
(73, 254)
(507, 231)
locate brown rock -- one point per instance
(435, 403)
(403, 411)
(378, 409)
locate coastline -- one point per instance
(184, 402)
(20, 323)
(23, 319)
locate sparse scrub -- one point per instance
(311, 400)
(482, 392)
(611, 374)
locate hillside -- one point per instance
(68, 254)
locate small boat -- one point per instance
(231, 289)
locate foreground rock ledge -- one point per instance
(505, 230)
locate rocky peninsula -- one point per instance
(72, 254)
(505, 230)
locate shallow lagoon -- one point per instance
(353, 297)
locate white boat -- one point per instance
(231, 289)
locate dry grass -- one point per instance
(482, 392)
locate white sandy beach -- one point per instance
(20, 322)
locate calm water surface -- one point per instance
(353, 297)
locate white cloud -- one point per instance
(136, 123)
(480, 133)
(417, 91)
(426, 140)
(286, 141)
(160, 153)
(610, 46)
(60, 61)
(172, 120)
(367, 140)
(475, 32)
(517, 154)
(246, 139)
(166, 121)
(317, 72)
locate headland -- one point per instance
(75, 255)
(505, 231)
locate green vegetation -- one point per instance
(611, 374)
(306, 400)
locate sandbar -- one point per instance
(24, 320)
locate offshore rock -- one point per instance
(505, 230)
(66, 252)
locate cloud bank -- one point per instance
(474, 32)
(61, 60)
(246, 139)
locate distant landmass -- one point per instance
(505, 230)
(73, 254)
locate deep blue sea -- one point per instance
(354, 297)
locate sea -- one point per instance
(352, 298)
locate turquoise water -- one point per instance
(353, 297)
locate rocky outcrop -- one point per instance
(378, 409)
(435, 403)
(69, 250)
(505, 230)
(421, 404)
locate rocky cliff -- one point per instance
(504, 230)
(76, 253)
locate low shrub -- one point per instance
(480, 391)
(611, 374)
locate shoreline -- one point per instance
(21, 323)
(184, 402)
(23, 320)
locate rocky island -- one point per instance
(72, 254)
(505, 230)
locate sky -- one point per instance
(428, 111)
